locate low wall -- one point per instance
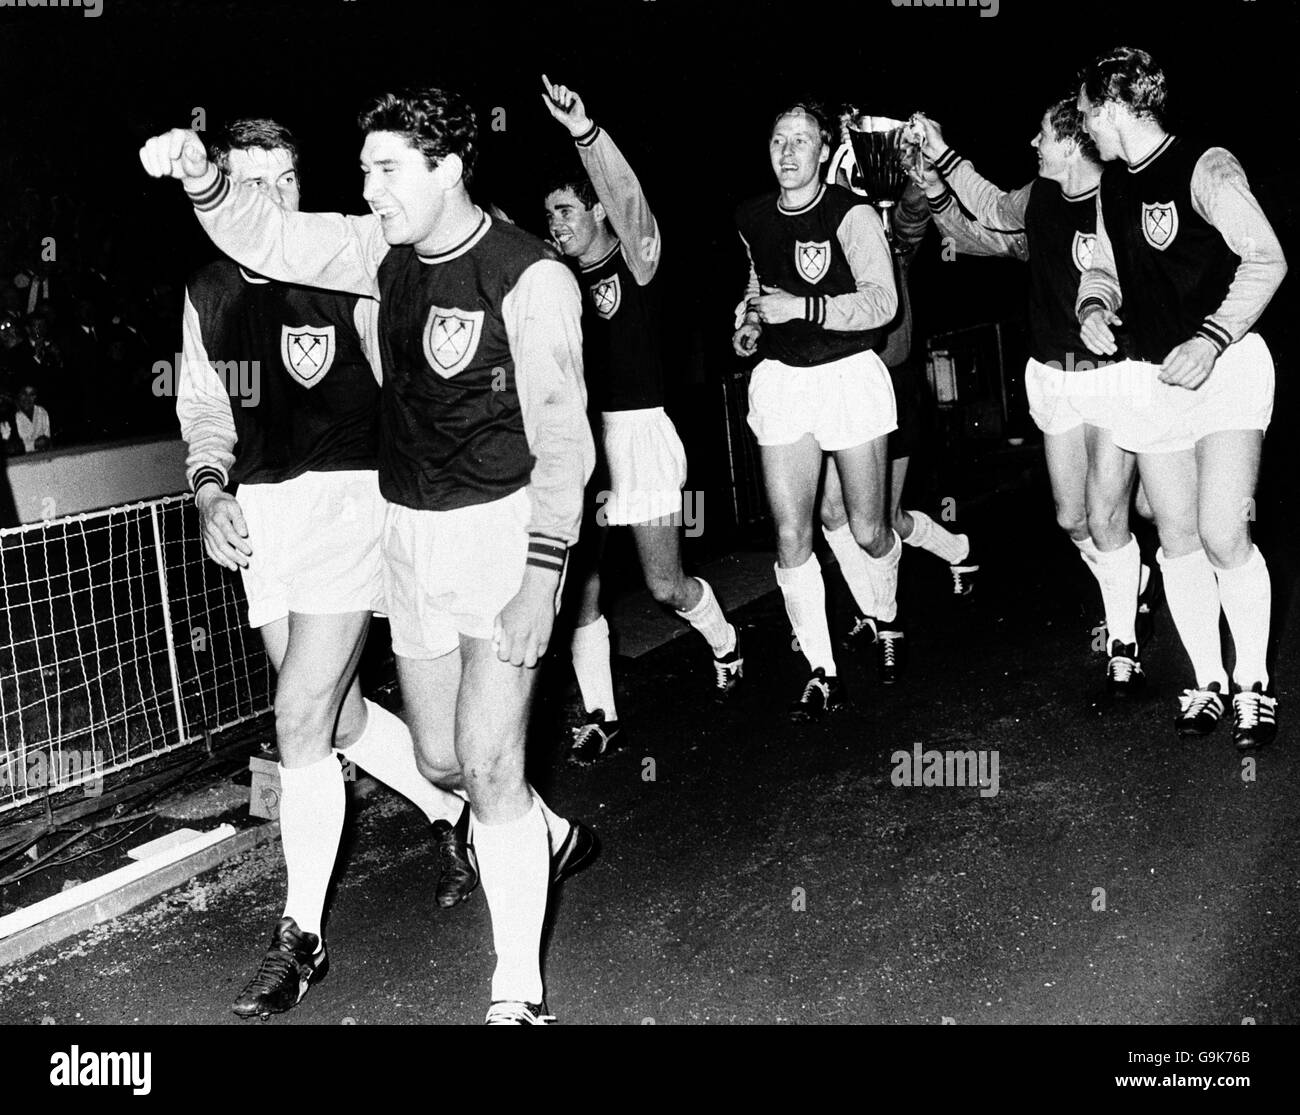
(87, 478)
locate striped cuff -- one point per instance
(942, 202)
(588, 137)
(1089, 304)
(814, 308)
(1219, 337)
(207, 474)
(946, 163)
(546, 551)
(213, 194)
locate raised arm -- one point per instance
(326, 250)
(615, 182)
(970, 237)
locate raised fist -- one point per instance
(175, 154)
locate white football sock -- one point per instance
(929, 535)
(514, 866)
(1247, 596)
(386, 751)
(590, 650)
(312, 804)
(1192, 593)
(884, 580)
(804, 593)
(708, 619)
(557, 827)
(853, 567)
(1118, 573)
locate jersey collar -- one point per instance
(821, 192)
(603, 259)
(480, 230)
(1153, 155)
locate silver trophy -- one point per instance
(887, 152)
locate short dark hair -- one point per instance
(1129, 76)
(576, 181)
(815, 109)
(240, 135)
(436, 122)
(1067, 123)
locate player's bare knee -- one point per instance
(873, 535)
(491, 778)
(833, 516)
(437, 771)
(1226, 545)
(668, 591)
(301, 724)
(793, 545)
(1108, 525)
(1072, 520)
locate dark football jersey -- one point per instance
(1173, 266)
(1061, 233)
(620, 337)
(800, 252)
(452, 430)
(301, 390)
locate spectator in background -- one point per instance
(32, 422)
(13, 352)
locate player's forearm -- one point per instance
(625, 202)
(203, 409)
(998, 209)
(909, 219)
(875, 301)
(543, 323)
(970, 238)
(327, 250)
(1222, 196)
(1099, 285)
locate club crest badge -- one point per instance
(1160, 224)
(307, 351)
(1081, 249)
(607, 296)
(812, 259)
(451, 338)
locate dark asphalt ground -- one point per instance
(771, 873)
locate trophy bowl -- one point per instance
(884, 149)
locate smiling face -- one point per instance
(1053, 153)
(272, 172)
(797, 151)
(408, 197)
(1101, 123)
(571, 224)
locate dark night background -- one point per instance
(687, 90)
